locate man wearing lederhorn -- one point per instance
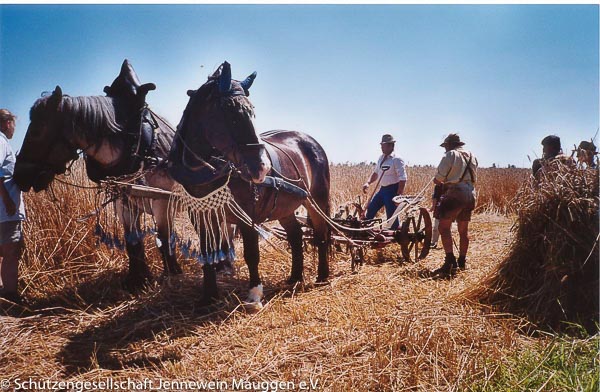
(457, 175)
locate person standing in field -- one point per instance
(586, 154)
(12, 212)
(551, 154)
(390, 173)
(456, 174)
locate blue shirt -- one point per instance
(7, 168)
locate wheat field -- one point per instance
(382, 328)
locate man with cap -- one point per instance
(12, 212)
(586, 154)
(456, 173)
(551, 152)
(390, 173)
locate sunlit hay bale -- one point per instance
(550, 274)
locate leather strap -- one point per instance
(467, 168)
(275, 163)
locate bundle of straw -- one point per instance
(550, 273)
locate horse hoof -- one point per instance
(322, 282)
(293, 280)
(169, 273)
(175, 271)
(252, 307)
(253, 302)
(208, 300)
(134, 284)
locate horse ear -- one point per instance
(144, 88)
(247, 83)
(225, 78)
(191, 92)
(56, 97)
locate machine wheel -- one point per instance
(358, 257)
(415, 236)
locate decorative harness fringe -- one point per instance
(209, 212)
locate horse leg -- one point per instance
(294, 236)
(210, 291)
(139, 273)
(252, 257)
(322, 238)
(167, 247)
(226, 266)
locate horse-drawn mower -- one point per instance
(355, 235)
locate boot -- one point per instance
(462, 260)
(448, 268)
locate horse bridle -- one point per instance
(233, 149)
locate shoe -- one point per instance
(462, 261)
(433, 245)
(448, 268)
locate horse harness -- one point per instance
(144, 151)
(141, 139)
(275, 179)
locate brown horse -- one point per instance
(217, 127)
(118, 136)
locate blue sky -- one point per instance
(502, 76)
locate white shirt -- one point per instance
(7, 168)
(394, 174)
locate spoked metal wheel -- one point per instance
(414, 236)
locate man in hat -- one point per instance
(12, 212)
(456, 173)
(586, 154)
(390, 173)
(551, 152)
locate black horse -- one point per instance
(270, 179)
(118, 136)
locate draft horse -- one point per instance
(217, 126)
(118, 136)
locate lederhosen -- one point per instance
(457, 199)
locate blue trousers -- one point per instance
(384, 198)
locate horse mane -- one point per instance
(93, 116)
